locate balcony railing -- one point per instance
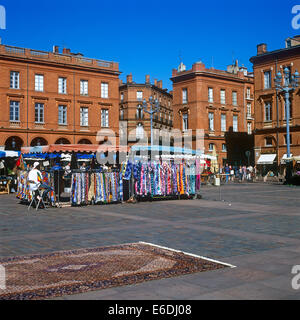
(57, 57)
(249, 97)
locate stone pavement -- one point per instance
(255, 227)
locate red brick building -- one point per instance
(270, 121)
(132, 95)
(54, 98)
(219, 102)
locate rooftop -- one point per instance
(58, 58)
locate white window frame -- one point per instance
(249, 127)
(268, 112)
(84, 116)
(249, 110)
(235, 125)
(39, 113)
(211, 121)
(234, 98)
(104, 90)
(62, 85)
(62, 115)
(39, 82)
(14, 111)
(248, 93)
(223, 122)
(14, 80)
(267, 79)
(185, 121)
(210, 95)
(104, 118)
(184, 96)
(223, 96)
(84, 87)
(224, 147)
(139, 95)
(211, 147)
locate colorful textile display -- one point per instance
(164, 179)
(98, 187)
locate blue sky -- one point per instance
(147, 37)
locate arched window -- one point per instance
(62, 141)
(14, 143)
(38, 142)
(84, 141)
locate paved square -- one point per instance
(255, 227)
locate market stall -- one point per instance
(73, 172)
(163, 172)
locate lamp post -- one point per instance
(289, 85)
(154, 108)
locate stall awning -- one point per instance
(74, 147)
(297, 158)
(9, 154)
(165, 149)
(266, 159)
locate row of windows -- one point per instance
(211, 147)
(211, 121)
(62, 84)
(62, 114)
(139, 97)
(185, 123)
(268, 110)
(267, 78)
(222, 96)
(269, 141)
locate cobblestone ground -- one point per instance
(255, 227)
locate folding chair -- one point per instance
(36, 193)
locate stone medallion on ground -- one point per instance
(70, 272)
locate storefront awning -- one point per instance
(284, 158)
(266, 159)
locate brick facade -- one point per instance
(197, 97)
(131, 106)
(270, 123)
(19, 68)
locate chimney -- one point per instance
(147, 78)
(55, 49)
(159, 84)
(129, 78)
(198, 66)
(174, 72)
(155, 82)
(261, 48)
(66, 51)
(120, 82)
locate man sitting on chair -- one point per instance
(35, 179)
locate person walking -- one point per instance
(244, 173)
(227, 172)
(240, 174)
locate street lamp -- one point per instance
(154, 108)
(290, 84)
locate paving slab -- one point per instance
(255, 227)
